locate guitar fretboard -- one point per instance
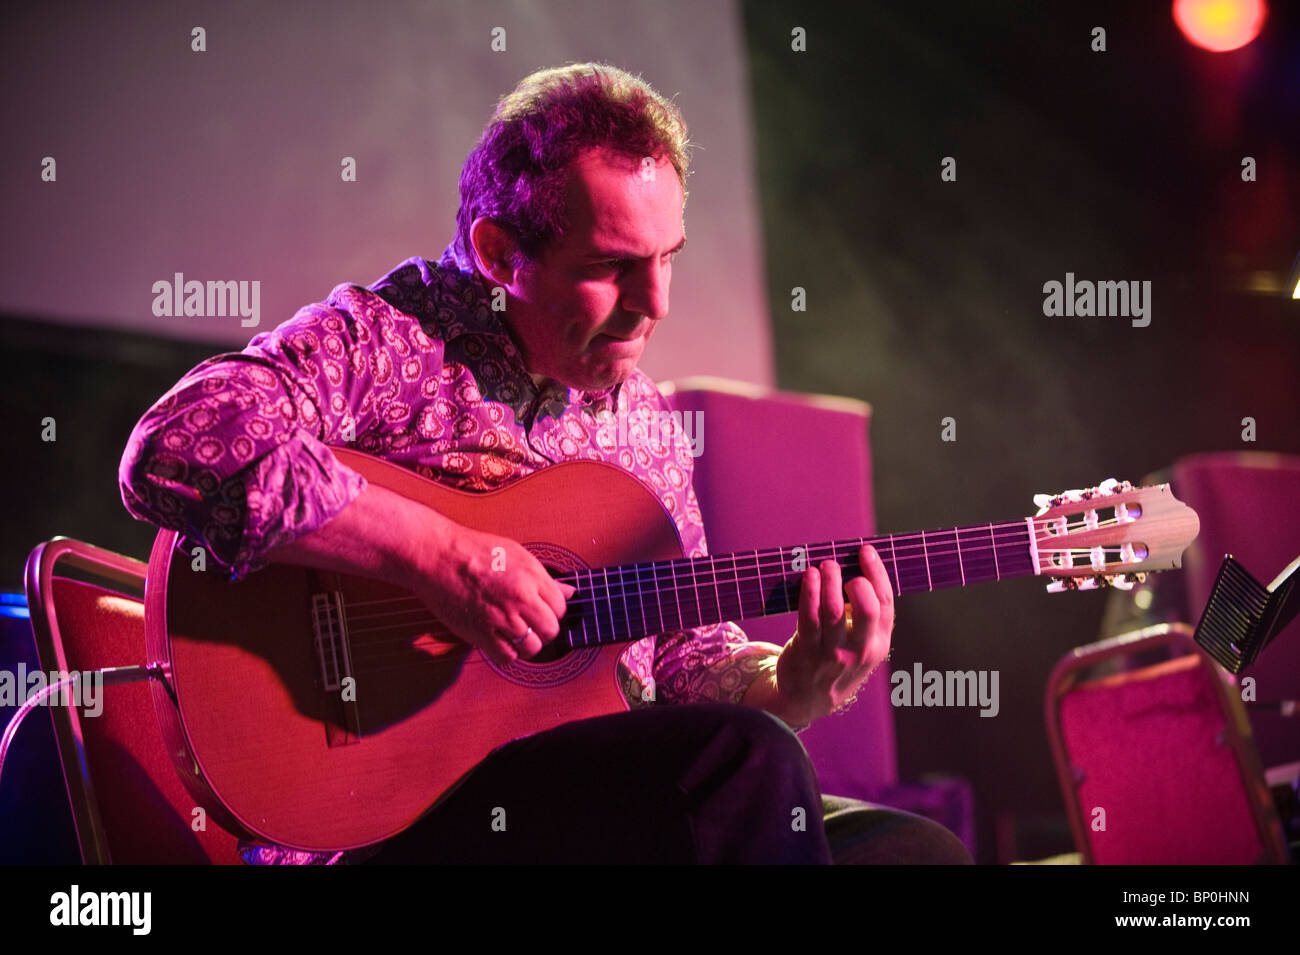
(632, 601)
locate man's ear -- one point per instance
(494, 248)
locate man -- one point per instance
(509, 354)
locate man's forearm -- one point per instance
(381, 534)
(763, 694)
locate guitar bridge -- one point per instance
(329, 628)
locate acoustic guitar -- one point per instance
(323, 711)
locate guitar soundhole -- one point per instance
(551, 652)
(557, 562)
(556, 663)
(551, 667)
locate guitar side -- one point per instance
(273, 740)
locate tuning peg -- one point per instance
(1107, 488)
(1062, 584)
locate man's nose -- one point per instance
(646, 291)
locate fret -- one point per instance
(662, 583)
(740, 598)
(681, 621)
(977, 563)
(818, 554)
(695, 611)
(785, 588)
(942, 560)
(753, 588)
(893, 563)
(994, 544)
(696, 566)
(1017, 561)
(913, 567)
(854, 562)
(701, 572)
(926, 552)
(695, 596)
(627, 610)
(654, 586)
(627, 578)
(609, 605)
(810, 560)
(759, 599)
(640, 600)
(729, 611)
(595, 605)
(717, 593)
(645, 582)
(960, 566)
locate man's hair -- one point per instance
(517, 172)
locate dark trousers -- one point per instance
(711, 783)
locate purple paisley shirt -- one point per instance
(417, 369)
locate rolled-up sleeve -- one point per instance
(235, 456)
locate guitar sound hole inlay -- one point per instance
(557, 663)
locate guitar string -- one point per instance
(642, 577)
(695, 603)
(599, 594)
(910, 580)
(426, 620)
(366, 652)
(631, 573)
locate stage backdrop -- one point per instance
(227, 164)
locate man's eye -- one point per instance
(622, 265)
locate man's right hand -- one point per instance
(490, 591)
(485, 589)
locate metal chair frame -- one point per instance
(55, 554)
(1066, 676)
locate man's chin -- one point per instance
(607, 377)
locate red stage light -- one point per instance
(1220, 25)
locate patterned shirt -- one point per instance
(420, 370)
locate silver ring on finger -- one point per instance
(520, 641)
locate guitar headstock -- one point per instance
(1109, 535)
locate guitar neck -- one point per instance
(628, 602)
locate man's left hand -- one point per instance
(833, 651)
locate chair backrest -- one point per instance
(1156, 764)
(777, 469)
(1246, 502)
(128, 801)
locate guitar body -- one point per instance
(319, 711)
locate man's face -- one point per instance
(585, 312)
